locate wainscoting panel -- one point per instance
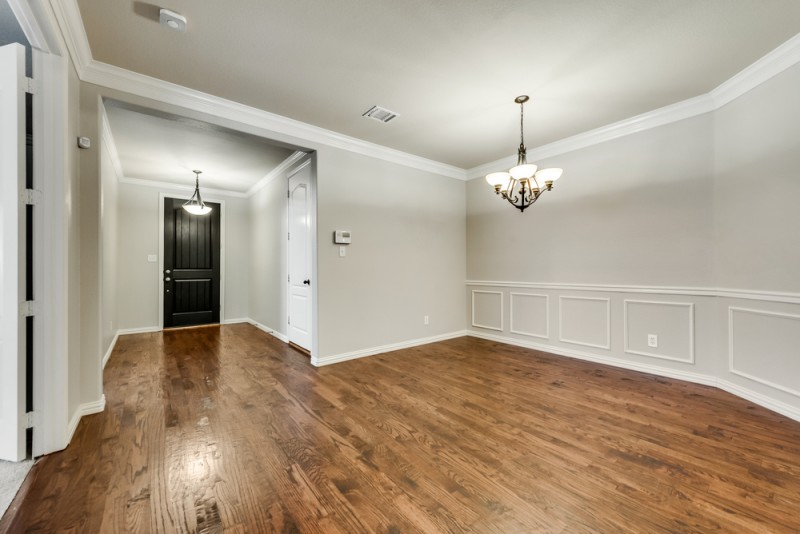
(487, 309)
(530, 314)
(764, 346)
(672, 322)
(585, 321)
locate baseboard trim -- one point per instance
(110, 350)
(268, 330)
(236, 321)
(319, 362)
(697, 378)
(143, 330)
(87, 408)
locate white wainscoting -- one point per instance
(487, 309)
(588, 318)
(530, 314)
(672, 322)
(764, 346)
(703, 335)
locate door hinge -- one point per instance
(30, 197)
(31, 419)
(288, 235)
(288, 194)
(29, 308)
(30, 86)
(288, 320)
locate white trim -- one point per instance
(277, 172)
(161, 196)
(238, 320)
(141, 330)
(87, 408)
(783, 57)
(627, 349)
(89, 70)
(282, 128)
(110, 350)
(561, 337)
(29, 23)
(268, 330)
(501, 310)
(744, 294)
(652, 119)
(319, 362)
(511, 314)
(155, 184)
(731, 362)
(690, 376)
(68, 15)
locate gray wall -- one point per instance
(406, 259)
(267, 255)
(137, 282)
(109, 208)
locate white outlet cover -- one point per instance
(152, 258)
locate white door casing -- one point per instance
(300, 260)
(12, 239)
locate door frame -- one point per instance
(161, 196)
(50, 160)
(308, 160)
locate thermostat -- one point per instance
(342, 237)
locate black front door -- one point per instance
(191, 265)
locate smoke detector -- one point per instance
(379, 114)
(172, 20)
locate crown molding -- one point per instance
(155, 184)
(289, 130)
(651, 119)
(293, 158)
(279, 127)
(785, 56)
(68, 16)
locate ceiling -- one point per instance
(450, 68)
(159, 147)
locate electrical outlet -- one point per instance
(426, 320)
(652, 340)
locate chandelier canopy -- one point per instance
(195, 205)
(522, 185)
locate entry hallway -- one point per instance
(227, 429)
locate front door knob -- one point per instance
(307, 282)
(167, 279)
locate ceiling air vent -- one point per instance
(379, 114)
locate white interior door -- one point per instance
(12, 227)
(300, 257)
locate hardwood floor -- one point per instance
(227, 429)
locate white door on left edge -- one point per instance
(12, 252)
(300, 294)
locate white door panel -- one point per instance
(12, 227)
(300, 304)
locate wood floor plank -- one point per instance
(225, 429)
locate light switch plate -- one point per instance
(342, 252)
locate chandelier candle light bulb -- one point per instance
(522, 185)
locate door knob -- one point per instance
(307, 282)
(167, 271)
(167, 279)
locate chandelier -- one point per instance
(522, 185)
(195, 205)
